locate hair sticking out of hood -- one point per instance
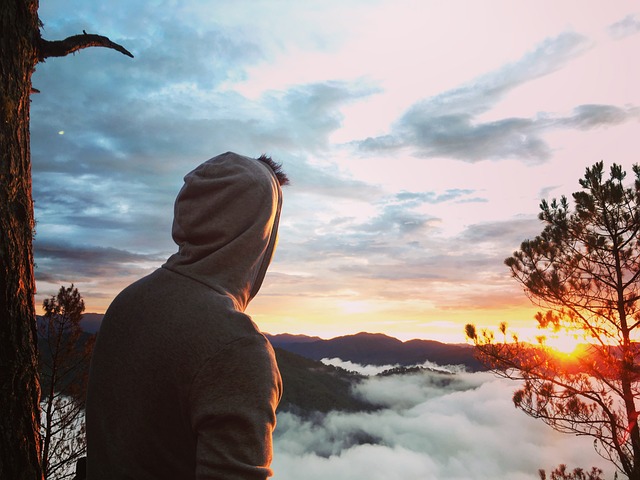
(276, 167)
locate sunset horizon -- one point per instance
(419, 137)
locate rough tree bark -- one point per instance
(19, 390)
(21, 48)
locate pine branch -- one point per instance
(62, 48)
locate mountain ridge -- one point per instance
(363, 347)
(381, 349)
(312, 386)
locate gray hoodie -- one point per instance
(182, 384)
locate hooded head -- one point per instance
(225, 224)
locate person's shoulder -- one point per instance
(167, 290)
(231, 327)
(138, 287)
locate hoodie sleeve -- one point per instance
(233, 401)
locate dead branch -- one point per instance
(62, 48)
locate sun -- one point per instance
(566, 343)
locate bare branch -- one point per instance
(62, 48)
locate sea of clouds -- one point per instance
(432, 426)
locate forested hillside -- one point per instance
(311, 386)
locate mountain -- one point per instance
(362, 348)
(380, 349)
(288, 338)
(91, 322)
(311, 386)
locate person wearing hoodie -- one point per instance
(182, 384)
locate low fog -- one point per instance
(433, 426)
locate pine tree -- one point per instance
(65, 351)
(583, 271)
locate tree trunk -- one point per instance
(19, 389)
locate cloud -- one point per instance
(402, 392)
(586, 117)
(303, 117)
(434, 197)
(448, 125)
(98, 272)
(462, 137)
(398, 253)
(432, 426)
(629, 25)
(61, 261)
(355, 367)
(393, 221)
(174, 105)
(503, 234)
(399, 243)
(112, 137)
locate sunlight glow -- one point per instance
(355, 306)
(566, 343)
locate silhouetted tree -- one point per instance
(65, 351)
(583, 270)
(561, 473)
(21, 48)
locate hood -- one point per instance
(225, 224)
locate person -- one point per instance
(182, 384)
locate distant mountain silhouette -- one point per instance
(288, 338)
(91, 322)
(380, 349)
(363, 348)
(311, 386)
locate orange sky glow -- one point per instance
(419, 136)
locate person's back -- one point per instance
(182, 383)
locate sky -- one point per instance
(419, 137)
(430, 427)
